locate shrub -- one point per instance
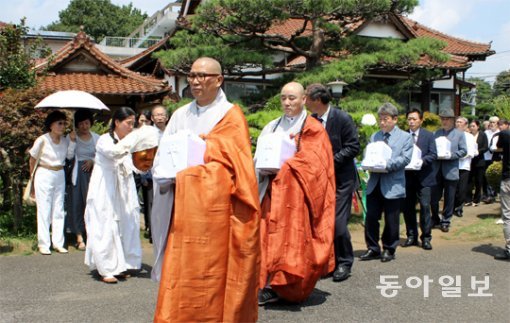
(360, 101)
(493, 174)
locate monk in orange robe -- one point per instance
(298, 207)
(212, 257)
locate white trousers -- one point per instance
(49, 194)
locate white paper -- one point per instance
(178, 152)
(273, 150)
(376, 157)
(416, 161)
(443, 148)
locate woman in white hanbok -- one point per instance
(112, 215)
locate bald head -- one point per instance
(294, 87)
(208, 65)
(205, 80)
(292, 98)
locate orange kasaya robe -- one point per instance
(298, 218)
(212, 259)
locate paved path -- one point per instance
(59, 288)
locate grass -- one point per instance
(23, 245)
(483, 229)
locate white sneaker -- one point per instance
(500, 221)
(61, 250)
(44, 251)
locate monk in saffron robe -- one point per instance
(212, 258)
(298, 207)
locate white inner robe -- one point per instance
(112, 214)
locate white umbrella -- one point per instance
(72, 99)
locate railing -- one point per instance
(129, 42)
(150, 22)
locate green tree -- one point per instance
(15, 59)
(484, 95)
(238, 33)
(502, 106)
(99, 18)
(502, 84)
(19, 124)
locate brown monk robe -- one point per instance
(298, 218)
(212, 258)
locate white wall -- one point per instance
(380, 30)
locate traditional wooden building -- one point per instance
(80, 65)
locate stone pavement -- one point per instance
(60, 288)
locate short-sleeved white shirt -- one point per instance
(53, 154)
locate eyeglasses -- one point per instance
(60, 123)
(159, 115)
(199, 76)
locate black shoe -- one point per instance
(410, 242)
(458, 213)
(387, 256)
(267, 295)
(426, 245)
(370, 255)
(445, 227)
(341, 273)
(505, 255)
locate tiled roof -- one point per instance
(461, 50)
(98, 84)
(455, 62)
(119, 79)
(288, 27)
(454, 45)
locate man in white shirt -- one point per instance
(463, 189)
(488, 191)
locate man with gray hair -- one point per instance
(386, 190)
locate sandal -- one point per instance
(123, 275)
(109, 280)
(81, 246)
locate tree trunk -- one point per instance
(17, 207)
(315, 52)
(6, 191)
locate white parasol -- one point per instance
(71, 99)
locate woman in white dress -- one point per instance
(49, 183)
(112, 215)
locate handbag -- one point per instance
(28, 199)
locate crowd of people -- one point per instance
(229, 235)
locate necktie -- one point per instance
(415, 137)
(386, 137)
(317, 117)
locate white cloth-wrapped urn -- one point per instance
(177, 152)
(443, 148)
(377, 155)
(273, 150)
(416, 161)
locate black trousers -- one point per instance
(344, 254)
(463, 190)
(415, 192)
(376, 205)
(449, 188)
(476, 178)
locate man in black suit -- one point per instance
(344, 140)
(419, 183)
